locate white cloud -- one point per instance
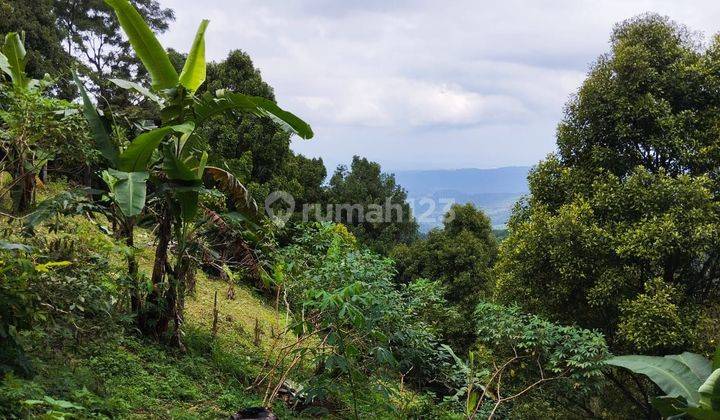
(397, 102)
(424, 83)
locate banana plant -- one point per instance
(165, 155)
(22, 157)
(690, 381)
(13, 59)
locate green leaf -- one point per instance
(177, 169)
(98, 127)
(62, 403)
(703, 413)
(137, 87)
(673, 377)
(710, 391)
(5, 65)
(128, 190)
(669, 406)
(14, 52)
(185, 128)
(716, 359)
(146, 46)
(136, 157)
(71, 202)
(700, 366)
(9, 246)
(208, 106)
(193, 73)
(472, 402)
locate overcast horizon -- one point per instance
(422, 84)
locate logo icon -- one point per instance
(279, 206)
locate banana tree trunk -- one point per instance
(152, 319)
(127, 232)
(24, 189)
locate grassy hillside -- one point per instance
(100, 367)
(116, 374)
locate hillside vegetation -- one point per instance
(141, 276)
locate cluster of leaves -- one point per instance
(365, 185)
(17, 306)
(621, 230)
(628, 198)
(34, 127)
(460, 256)
(62, 283)
(255, 150)
(342, 289)
(43, 39)
(691, 383)
(528, 353)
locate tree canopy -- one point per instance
(364, 184)
(624, 219)
(460, 256)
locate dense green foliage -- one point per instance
(43, 38)
(34, 127)
(372, 205)
(620, 231)
(255, 149)
(164, 292)
(324, 259)
(622, 224)
(536, 353)
(460, 257)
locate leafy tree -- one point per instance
(636, 245)
(621, 228)
(427, 303)
(256, 150)
(460, 256)
(626, 202)
(304, 178)
(521, 355)
(92, 34)
(245, 140)
(651, 102)
(372, 204)
(323, 263)
(32, 124)
(179, 167)
(60, 33)
(43, 37)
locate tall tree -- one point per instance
(460, 256)
(257, 150)
(92, 34)
(621, 230)
(652, 101)
(35, 18)
(372, 204)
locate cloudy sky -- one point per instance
(423, 84)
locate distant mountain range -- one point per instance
(493, 190)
